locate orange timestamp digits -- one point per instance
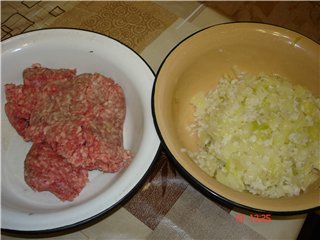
(256, 218)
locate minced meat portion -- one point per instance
(22, 99)
(75, 120)
(82, 119)
(37, 76)
(45, 170)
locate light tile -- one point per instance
(156, 52)
(182, 9)
(120, 225)
(279, 228)
(208, 17)
(195, 217)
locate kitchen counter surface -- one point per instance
(166, 206)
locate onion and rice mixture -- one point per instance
(258, 133)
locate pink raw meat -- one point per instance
(75, 123)
(38, 76)
(22, 99)
(45, 170)
(82, 119)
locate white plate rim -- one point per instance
(141, 178)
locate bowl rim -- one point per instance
(197, 184)
(77, 226)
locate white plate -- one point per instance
(26, 210)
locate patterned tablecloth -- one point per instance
(166, 206)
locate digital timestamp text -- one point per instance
(255, 218)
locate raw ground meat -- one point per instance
(22, 99)
(45, 170)
(82, 119)
(76, 120)
(38, 76)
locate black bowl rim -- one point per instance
(108, 211)
(198, 185)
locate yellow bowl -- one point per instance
(198, 63)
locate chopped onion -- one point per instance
(259, 134)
